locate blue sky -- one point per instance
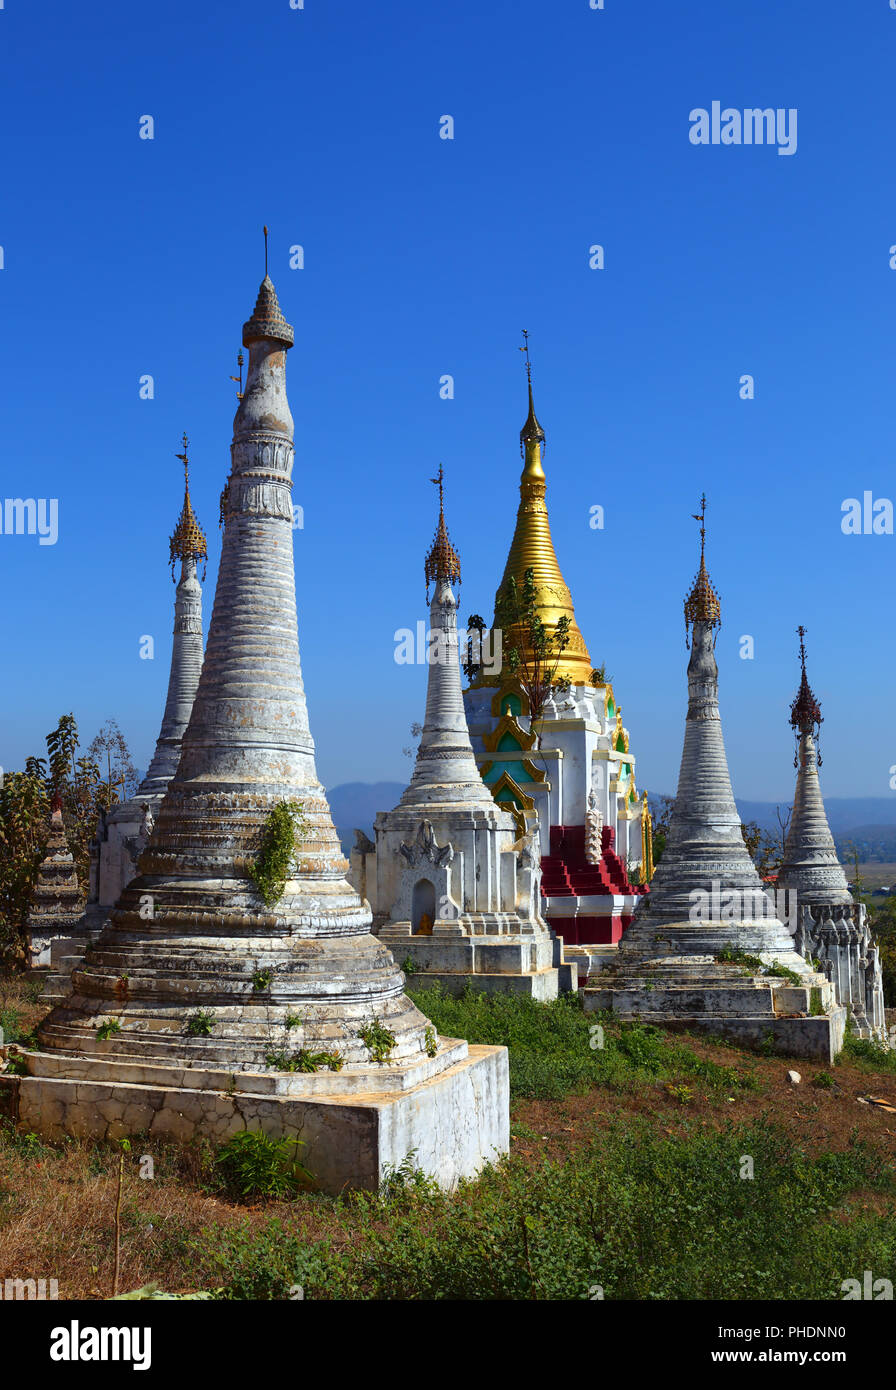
(426, 256)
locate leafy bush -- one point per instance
(201, 1023)
(303, 1060)
(378, 1040)
(856, 1049)
(283, 830)
(270, 1264)
(252, 1164)
(10, 1025)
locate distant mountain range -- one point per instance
(868, 820)
(847, 815)
(354, 806)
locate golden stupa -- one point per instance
(532, 548)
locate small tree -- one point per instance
(23, 836)
(661, 808)
(110, 752)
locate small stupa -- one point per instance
(705, 949)
(209, 1007)
(57, 903)
(455, 885)
(832, 928)
(123, 832)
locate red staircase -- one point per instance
(566, 872)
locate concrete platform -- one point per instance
(453, 1112)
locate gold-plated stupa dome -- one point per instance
(188, 538)
(533, 548)
(702, 603)
(442, 560)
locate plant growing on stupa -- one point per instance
(261, 980)
(431, 1041)
(304, 1060)
(201, 1023)
(283, 832)
(378, 1040)
(533, 650)
(108, 1029)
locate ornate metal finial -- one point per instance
(188, 539)
(702, 603)
(267, 321)
(525, 349)
(442, 562)
(240, 359)
(805, 712)
(531, 431)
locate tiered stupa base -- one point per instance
(451, 1111)
(671, 976)
(483, 951)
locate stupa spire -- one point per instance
(445, 769)
(533, 548)
(706, 949)
(187, 545)
(810, 866)
(702, 603)
(187, 540)
(442, 564)
(247, 750)
(705, 844)
(241, 927)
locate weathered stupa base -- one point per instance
(475, 954)
(451, 1111)
(669, 984)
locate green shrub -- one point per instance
(303, 1060)
(379, 1041)
(201, 1023)
(272, 1263)
(253, 1164)
(867, 1051)
(283, 831)
(10, 1025)
(108, 1029)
